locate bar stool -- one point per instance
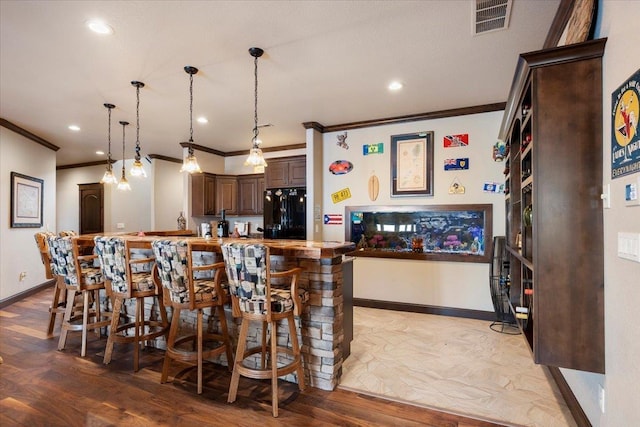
(250, 281)
(192, 287)
(127, 266)
(57, 304)
(79, 277)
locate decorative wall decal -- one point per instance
(340, 167)
(373, 148)
(341, 195)
(456, 164)
(374, 187)
(625, 141)
(461, 140)
(456, 187)
(333, 219)
(500, 151)
(493, 187)
(342, 141)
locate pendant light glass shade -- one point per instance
(108, 177)
(123, 184)
(190, 163)
(256, 158)
(137, 169)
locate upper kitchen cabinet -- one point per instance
(286, 172)
(250, 194)
(226, 194)
(203, 192)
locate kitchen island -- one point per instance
(327, 321)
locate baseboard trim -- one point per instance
(24, 294)
(425, 309)
(569, 398)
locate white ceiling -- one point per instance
(324, 61)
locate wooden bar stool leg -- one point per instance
(71, 296)
(136, 333)
(115, 319)
(263, 354)
(225, 337)
(242, 345)
(171, 340)
(54, 307)
(199, 326)
(274, 367)
(296, 351)
(85, 321)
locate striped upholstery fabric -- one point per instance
(171, 256)
(113, 261)
(246, 266)
(63, 264)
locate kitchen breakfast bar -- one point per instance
(326, 324)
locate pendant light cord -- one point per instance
(137, 123)
(191, 113)
(109, 139)
(123, 126)
(255, 106)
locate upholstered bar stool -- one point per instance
(250, 281)
(192, 287)
(128, 268)
(79, 277)
(57, 304)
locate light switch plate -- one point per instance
(629, 246)
(632, 193)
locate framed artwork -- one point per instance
(26, 201)
(412, 164)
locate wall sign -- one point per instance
(460, 140)
(340, 167)
(456, 164)
(373, 148)
(625, 142)
(341, 195)
(333, 219)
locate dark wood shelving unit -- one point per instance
(553, 127)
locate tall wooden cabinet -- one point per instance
(554, 229)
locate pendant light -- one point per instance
(108, 177)
(137, 169)
(190, 163)
(256, 158)
(123, 184)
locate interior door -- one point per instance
(91, 208)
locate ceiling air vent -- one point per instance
(491, 15)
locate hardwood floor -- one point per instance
(42, 386)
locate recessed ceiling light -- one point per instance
(395, 86)
(74, 128)
(99, 27)
(100, 153)
(202, 120)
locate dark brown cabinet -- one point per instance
(286, 172)
(554, 229)
(203, 194)
(250, 194)
(227, 194)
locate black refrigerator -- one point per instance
(285, 213)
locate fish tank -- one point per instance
(460, 233)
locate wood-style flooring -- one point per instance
(40, 386)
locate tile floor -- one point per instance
(453, 364)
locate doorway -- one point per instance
(91, 208)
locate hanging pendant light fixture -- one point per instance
(137, 169)
(256, 158)
(190, 163)
(123, 184)
(108, 177)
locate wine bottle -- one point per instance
(223, 226)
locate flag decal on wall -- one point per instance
(333, 219)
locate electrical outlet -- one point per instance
(120, 225)
(601, 397)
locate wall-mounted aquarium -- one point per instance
(460, 233)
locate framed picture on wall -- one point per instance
(26, 201)
(412, 164)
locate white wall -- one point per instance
(617, 20)
(68, 197)
(18, 250)
(448, 284)
(168, 195)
